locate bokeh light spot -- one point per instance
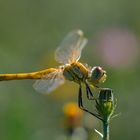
(118, 47)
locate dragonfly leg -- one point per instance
(80, 101)
(81, 106)
(89, 93)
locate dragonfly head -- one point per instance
(97, 75)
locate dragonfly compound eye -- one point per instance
(98, 75)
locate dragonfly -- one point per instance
(67, 54)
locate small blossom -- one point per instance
(73, 115)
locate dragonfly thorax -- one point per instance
(76, 72)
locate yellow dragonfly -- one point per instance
(68, 53)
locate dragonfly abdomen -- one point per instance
(20, 76)
(33, 75)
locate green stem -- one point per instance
(106, 129)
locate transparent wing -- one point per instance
(71, 47)
(50, 82)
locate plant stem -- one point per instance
(106, 129)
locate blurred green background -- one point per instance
(30, 32)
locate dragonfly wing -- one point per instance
(50, 82)
(71, 47)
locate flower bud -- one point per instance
(105, 104)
